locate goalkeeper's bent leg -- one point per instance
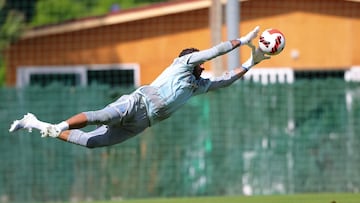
(100, 137)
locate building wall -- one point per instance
(324, 34)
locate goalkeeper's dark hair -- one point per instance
(188, 51)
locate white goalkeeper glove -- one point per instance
(256, 57)
(245, 40)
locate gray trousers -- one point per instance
(117, 122)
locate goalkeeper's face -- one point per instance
(198, 70)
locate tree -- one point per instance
(12, 22)
(55, 11)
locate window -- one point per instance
(113, 76)
(68, 79)
(288, 75)
(109, 74)
(319, 74)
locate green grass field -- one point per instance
(305, 198)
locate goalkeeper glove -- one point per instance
(249, 37)
(256, 57)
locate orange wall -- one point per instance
(324, 32)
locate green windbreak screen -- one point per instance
(244, 139)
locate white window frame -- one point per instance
(24, 72)
(353, 74)
(271, 75)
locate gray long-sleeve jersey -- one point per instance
(177, 84)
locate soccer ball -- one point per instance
(271, 41)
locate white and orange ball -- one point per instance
(272, 41)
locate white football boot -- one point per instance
(27, 122)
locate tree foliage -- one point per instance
(12, 22)
(14, 14)
(55, 11)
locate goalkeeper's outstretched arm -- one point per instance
(222, 48)
(231, 76)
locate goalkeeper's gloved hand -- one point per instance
(249, 37)
(256, 57)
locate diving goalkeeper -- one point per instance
(131, 114)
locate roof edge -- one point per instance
(121, 17)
